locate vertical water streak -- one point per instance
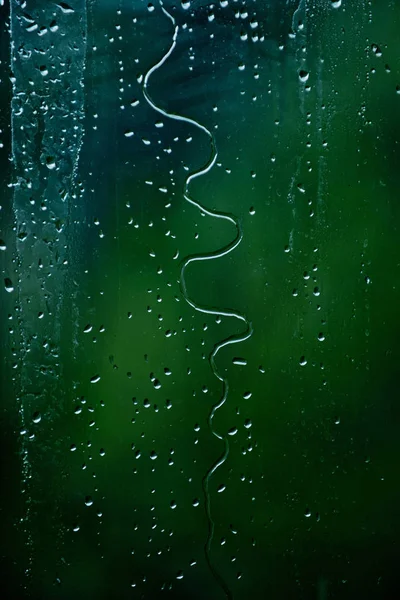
(21, 343)
(48, 53)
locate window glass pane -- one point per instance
(200, 257)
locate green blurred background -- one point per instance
(106, 384)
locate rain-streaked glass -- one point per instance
(200, 253)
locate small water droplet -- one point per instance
(50, 163)
(66, 9)
(36, 417)
(376, 50)
(303, 76)
(8, 285)
(239, 361)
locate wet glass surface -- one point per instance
(199, 246)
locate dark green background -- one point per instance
(310, 168)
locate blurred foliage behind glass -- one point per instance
(105, 375)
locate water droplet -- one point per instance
(376, 50)
(8, 285)
(36, 417)
(50, 163)
(239, 361)
(303, 76)
(66, 9)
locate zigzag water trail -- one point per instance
(233, 339)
